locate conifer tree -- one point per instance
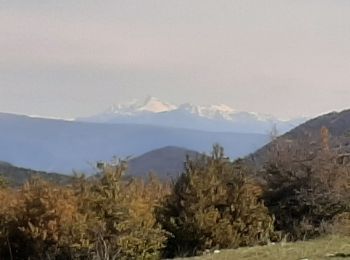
(214, 204)
(123, 215)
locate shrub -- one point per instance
(42, 221)
(8, 204)
(3, 182)
(123, 215)
(340, 224)
(214, 204)
(98, 218)
(306, 189)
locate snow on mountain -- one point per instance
(51, 117)
(219, 117)
(211, 111)
(151, 104)
(154, 105)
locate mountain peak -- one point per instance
(217, 117)
(150, 104)
(210, 111)
(153, 104)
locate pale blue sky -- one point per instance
(75, 58)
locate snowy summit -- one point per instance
(151, 104)
(221, 117)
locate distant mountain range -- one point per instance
(218, 118)
(166, 163)
(140, 129)
(60, 146)
(63, 146)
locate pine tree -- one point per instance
(214, 204)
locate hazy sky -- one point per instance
(74, 58)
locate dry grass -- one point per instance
(331, 247)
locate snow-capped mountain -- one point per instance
(212, 111)
(151, 104)
(154, 105)
(221, 117)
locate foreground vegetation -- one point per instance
(215, 204)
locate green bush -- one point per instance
(214, 205)
(122, 213)
(3, 182)
(306, 189)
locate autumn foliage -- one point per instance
(306, 189)
(101, 218)
(214, 204)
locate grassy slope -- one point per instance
(313, 249)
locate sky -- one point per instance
(76, 58)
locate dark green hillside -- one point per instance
(166, 162)
(16, 176)
(308, 136)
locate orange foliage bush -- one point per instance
(101, 218)
(41, 220)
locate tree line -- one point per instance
(215, 203)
